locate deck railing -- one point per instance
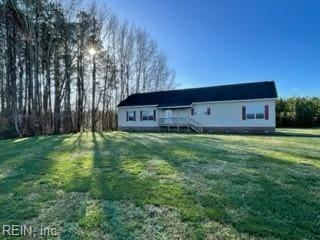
(174, 121)
(181, 122)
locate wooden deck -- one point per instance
(180, 124)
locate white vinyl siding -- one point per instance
(122, 117)
(222, 114)
(229, 114)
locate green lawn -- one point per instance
(120, 185)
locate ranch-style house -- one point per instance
(245, 107)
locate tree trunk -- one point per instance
(67, 67)
(57, 97)
(93, 107)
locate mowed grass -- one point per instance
(119, 185)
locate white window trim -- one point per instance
(147, 114)
(255, 112)
(131, 115)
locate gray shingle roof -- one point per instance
(183, 97)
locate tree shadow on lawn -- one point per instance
(14, 147)
(256, 194)
(78, 142)
(22, 190)
(253, 193)
(52, 188)
(118, 179)
(105, 187)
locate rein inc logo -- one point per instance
(28, 231)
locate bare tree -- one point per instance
(49, 82)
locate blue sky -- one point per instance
(211, 42)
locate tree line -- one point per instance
(64, 68)
(298, 112)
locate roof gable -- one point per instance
(183, 97)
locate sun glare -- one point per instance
(92, 51)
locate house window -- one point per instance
(254, 112)
(192, 111)
(147, 116)
(208, 111)
(131, 115)
(259, 115)
(250, 115)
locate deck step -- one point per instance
(195, 129)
